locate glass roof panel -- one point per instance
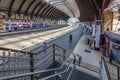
(65, 6)
(113, 6)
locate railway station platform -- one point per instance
(90, 58)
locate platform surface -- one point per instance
(89, 56)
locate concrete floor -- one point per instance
(91, 59)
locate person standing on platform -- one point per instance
(44, 46)
(111, 56)
(70, 38)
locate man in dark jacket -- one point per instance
(70, 38)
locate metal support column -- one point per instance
(97, 36)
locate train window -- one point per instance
(7, 24)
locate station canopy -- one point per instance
(84, 10)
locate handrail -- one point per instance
(115, 64)
(31, 62)
(106, 68)
(32, 73)
(43, 49)
(59, 46)
(14, 50)
(54, 75)
(49, 47)
(70, 74)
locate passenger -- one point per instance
(70, 38)
(44, 46)
(111, 56)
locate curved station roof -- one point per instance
(85, 10)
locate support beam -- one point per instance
(29, 6)
(47, 10)
(103, 4)
(35, 8)
(21, 5)
(46, 16)
(42, 9)
(10, 8)
(50, 15)
(87, 10)
(47, 6)
(67, 5)
(44, 4)
(51, 12)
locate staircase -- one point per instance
(49, 64)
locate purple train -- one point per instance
(15, 25)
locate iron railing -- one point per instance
(16, 62)
(110, 70)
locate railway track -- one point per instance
(29, 38)
(6, 34)
(49, 33)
